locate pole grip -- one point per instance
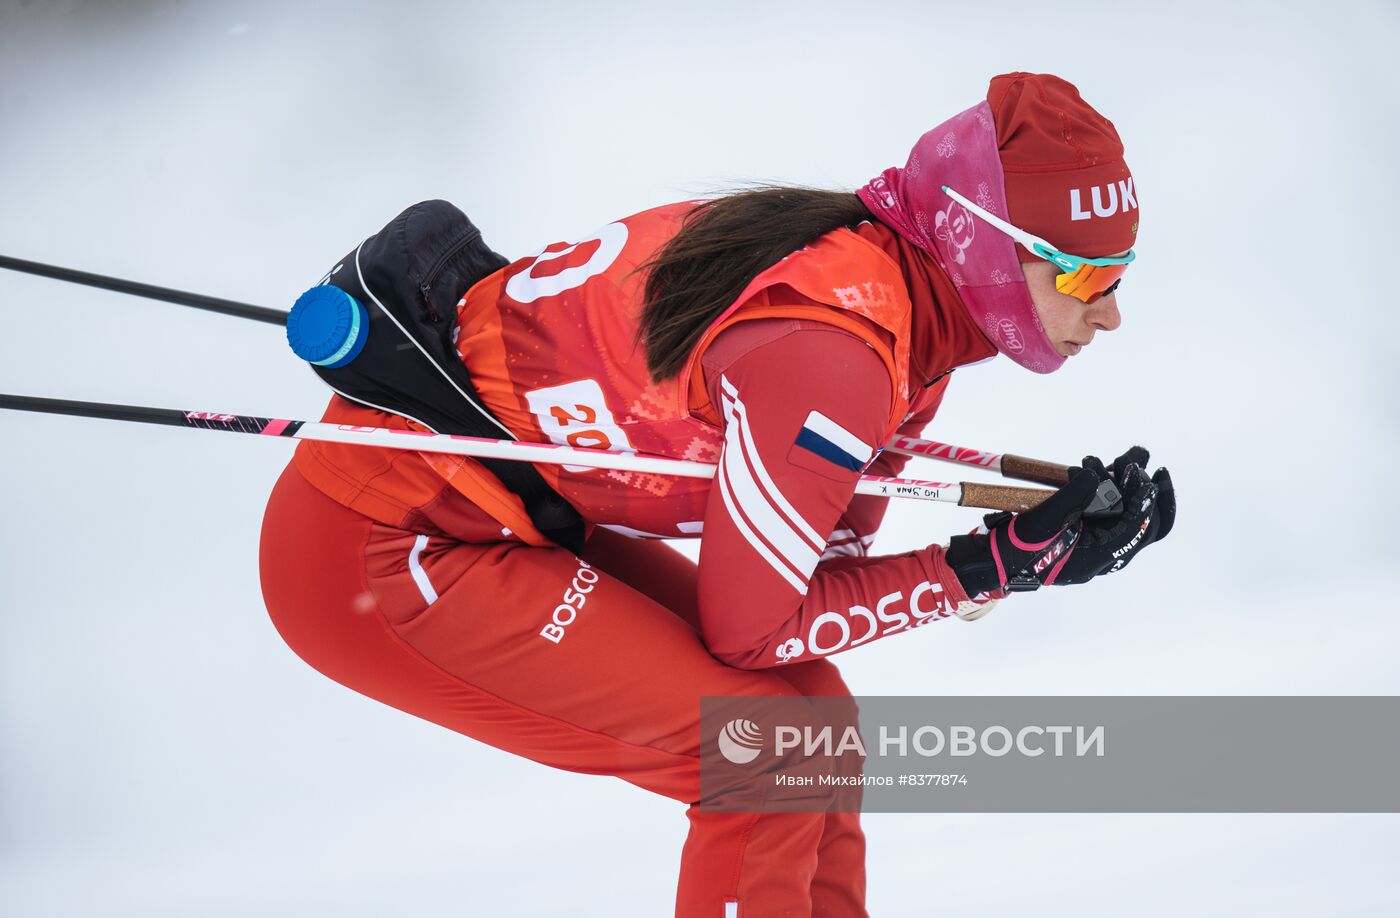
(1001, 497)
(1037, 470)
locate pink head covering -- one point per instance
(981, 260)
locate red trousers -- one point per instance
(452, 632)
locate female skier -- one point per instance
(784, 334)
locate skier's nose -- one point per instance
(1104, 314)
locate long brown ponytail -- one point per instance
(725, 243)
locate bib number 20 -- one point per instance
(575, 414)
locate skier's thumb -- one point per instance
(1166, 502)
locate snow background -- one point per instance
(163, 753)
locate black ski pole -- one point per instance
(150, 291)
(170, 417)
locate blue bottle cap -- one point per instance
(327, 327)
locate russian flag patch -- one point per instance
(823, 437)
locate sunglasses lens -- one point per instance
(1090, 282)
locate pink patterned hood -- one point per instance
(981, 260)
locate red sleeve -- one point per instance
(804, 408)
(855, 530)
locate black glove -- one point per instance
(1107, 545)
(1166, 495)
(1025, 547)
(1084, 546)
(1135, 455)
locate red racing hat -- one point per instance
(1063, 162)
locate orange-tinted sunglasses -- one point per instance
(1085, 279)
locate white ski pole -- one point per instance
(965, 494)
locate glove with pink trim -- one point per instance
(1149, 511)
(1056, 543)
(1023, 550)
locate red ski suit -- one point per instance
(417, 580)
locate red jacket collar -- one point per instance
(944, 335)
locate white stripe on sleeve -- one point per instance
(752, 537)
(739, 462)
(420, 576)
(765, 480)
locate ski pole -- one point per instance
(1009, 465)
(965, 494)
(150, 291)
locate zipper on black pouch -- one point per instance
(426, 287)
